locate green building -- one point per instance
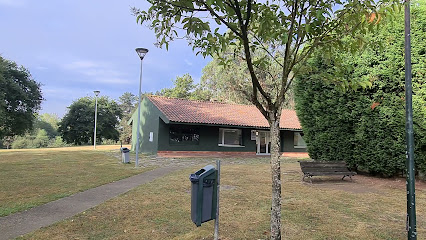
(170, 126)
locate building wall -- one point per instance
(149, 117)
(209, 136)
(287, 142)
(151, 120)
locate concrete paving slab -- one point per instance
(21, 223)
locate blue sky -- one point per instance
(73, 47)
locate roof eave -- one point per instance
(227, 125)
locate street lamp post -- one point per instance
(410, 183)
(96, 117)
(141, 53)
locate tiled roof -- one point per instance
(205, 112)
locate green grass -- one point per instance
(329, 210)
(33, 177)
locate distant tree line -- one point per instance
(22, 127)
(44, 134)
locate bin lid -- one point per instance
(207, 170)
(194, 178)
(124, 149)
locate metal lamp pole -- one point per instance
(96, 117)
(141, 53)
(411, 194)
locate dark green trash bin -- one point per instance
(203, 195)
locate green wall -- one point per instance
(287, 142)
(149, 122)
(209, 136)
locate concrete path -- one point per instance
(21, 223)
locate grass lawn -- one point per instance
(368, 208)
(31, 177)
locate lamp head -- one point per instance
(97, 92)
(141, 52)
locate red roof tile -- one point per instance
(189, 111)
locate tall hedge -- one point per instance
(366, 128)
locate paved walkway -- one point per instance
(21, 223)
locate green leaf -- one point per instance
(284, 38)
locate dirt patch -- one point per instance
(363, 184)
(344, 185)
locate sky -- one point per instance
(73, 47)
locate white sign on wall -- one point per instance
(151, 136)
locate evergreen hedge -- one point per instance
(366, 128)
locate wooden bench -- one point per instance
(311, 169)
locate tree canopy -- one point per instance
(366, 128)
(49, 123)
(20, 99)
(224, 82)
(183, 86)
(77, 125)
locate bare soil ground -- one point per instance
(358, 184)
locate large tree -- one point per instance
(77, 125)
(260, 32)
(20, 99)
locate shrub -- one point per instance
(366, 128)
(58, 142)
(22, 142)
(41, 140)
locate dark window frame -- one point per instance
(184, 135)
(221, 140)
(296, 142)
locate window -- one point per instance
(298, 140)
(230, 137)
(184, 135)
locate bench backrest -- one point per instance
(323, 166)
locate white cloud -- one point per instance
(98, 72)
(188, 62)
(40, 67)
(113, 80)
(59, 93)
(13, 3)
(80, 65)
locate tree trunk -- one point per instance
(274, 122)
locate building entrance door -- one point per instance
(263, 143)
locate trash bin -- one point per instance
(125, 155)
(203, 195)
